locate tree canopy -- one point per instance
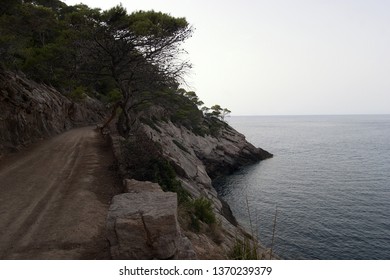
(114, 55)
(69, 46)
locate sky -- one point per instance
(284, 57)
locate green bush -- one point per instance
(198, 210)
(114, 95)
(245, 249)
(203, 210)
(79, 93)
(164, 174)
(143, 161)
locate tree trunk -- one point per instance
(113, 114)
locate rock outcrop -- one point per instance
(197, 160)
(30, 111)
(142, 224)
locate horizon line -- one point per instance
(303, 115)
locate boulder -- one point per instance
(144, 225)
(134, 186)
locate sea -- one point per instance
(326, 192)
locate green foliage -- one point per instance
(225, 112)
(244, 249)
(107, 89)
(127, 57)
(147, 23)
(197, 211)
(53, 4)
(165, 176)
(184, 108)
(181, 110)
(70, 46)
(191, 95)
(216, 111)
(203, 210)
(114, 95)
(7, 6)
(39, 64)
(151, 165)
(215, 126)
(205, 110)
(79, 93)
(36, 42)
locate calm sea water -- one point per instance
(329, 180)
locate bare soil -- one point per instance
(54, 198)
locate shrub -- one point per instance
(151, 165)
(203, 210)
(193, 212)
(79, 93)
(114, 95)
(245, 249)
(164, 174)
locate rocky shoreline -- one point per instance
(196, 160)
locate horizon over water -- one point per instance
(307, 115)
(329, 179)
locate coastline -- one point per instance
(193, 159)
(190, 157)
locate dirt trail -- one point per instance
(54, 198)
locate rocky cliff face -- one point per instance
(197, 160)
(30, 111)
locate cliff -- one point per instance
(197, 160)
(194, 160)
(183, 155)
(30, 111)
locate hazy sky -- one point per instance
(284, 57)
